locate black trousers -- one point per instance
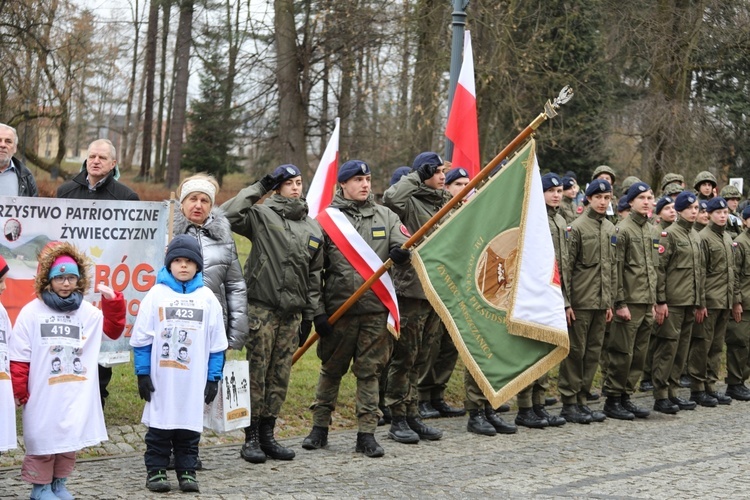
(105, 375)
(161, 442)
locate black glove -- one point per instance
(210, 392)
(399, 255)
(426, 171)
(269, 181)
(145, 387)
(304, 331)
(322, 326)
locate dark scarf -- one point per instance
(71, 303)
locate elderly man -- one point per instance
(98, 177)
(15, 178)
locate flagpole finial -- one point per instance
(551, 107)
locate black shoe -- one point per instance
(646, 386)
(720, 398)
(552, 420)
(613, 409)
(478, 424)
(666, 406)
(251, 449)
(268, 444)
(187, 480)
(740, 392)
(156, 480)
(503, 408)
(401, 432)
(596, 416)
(427, 411)
(683, 404)
(685, 381)
(571, 413)
(447, 410)
(317, 439)
(550, 401)
(634, 408)
(703, 399)
(366, 444)
(500, 425)
(592, 396)
(527, 418)
(423, 431)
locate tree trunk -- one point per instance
(127, 129)
(160, 146)
(148, 112)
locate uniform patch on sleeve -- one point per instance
(313, 243)
(661, 249)
(405, 231)
(664, 234)
(378, 233)
(656, 243)
(613, 240)
(579, 210)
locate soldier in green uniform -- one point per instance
(635, 298)
(738, 330)
(679, 284)
(531, 410)
(283, 290)
(360, 338)
(415, 199)
(705, 185)
(707, 341)
(568, 207)
(702, 220)
(592, 277)
(733, 197)
(606, 173)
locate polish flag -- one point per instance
(462, 128)
(322, 187)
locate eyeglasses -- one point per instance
(69, 278)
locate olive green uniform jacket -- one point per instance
(636, 271)
(679, 274)
(742, 269)
(559, 231)
(716, 245)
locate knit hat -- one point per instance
(3, 267)
(426, 158)
(198, 186)
(622, 204)
(716, 203)
(684, 200)
(64, 264)
(352, 168)
(745, 215)
(568, 182)
(636, 189)
(454, 174)
(551, 180)
(184, 245)
(285, 172)
(598, 186)
(398, 173)
(663, 202)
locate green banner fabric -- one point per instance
(490, 273)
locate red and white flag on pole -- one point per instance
(462, 128)
(322, 187)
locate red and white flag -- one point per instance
(322, 187)
(462, 128)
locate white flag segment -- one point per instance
(462, 127)
(538, 299)
(323, 184)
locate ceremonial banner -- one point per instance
(124, 239)
(490, 273)
(322, 187)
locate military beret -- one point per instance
(598, 186)
(622, 204)
(702, 205)
(398, 173)
(568, 182)
(746, 212)
(636, 189)
(716, 203)
(352, 168)
(284, 173)
(426, 158)
(684, 200)
(454, 174)
(551, 180)
(663, 202)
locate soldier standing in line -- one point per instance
(592, 277)
(678, 288)
(702, 220)
(738, 329)
(713, 314)
(568, 206)
(360, 338)
(705, 185)
(733, 197)
(606, 173)
(635, 298)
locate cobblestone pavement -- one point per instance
(703, 453)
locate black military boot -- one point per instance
(666, 406)
(447, 410)
(720, 398)
(401, 432)
(500, 425)
(683, 404)
(633, 408)
(703, 399)
(596, 416)
(251, 449)
(552, 420)
(740, 392)
(423, 431)
(427, 411)
(478, 424)
(646, 386)
(613, 409)
(268, 444)
(527, 418)
(503, 408)
(366, 444)
(571, 413)
(317, 439)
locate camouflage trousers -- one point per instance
(270, 348)
(420, 326)
(364, 342)
(437, 370)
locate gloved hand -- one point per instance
(145, 387)
(210, 392)
(399, 255)
(426, 171)
(322, 326)
(304, 331)
(269, 181)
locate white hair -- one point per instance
(8, 127)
